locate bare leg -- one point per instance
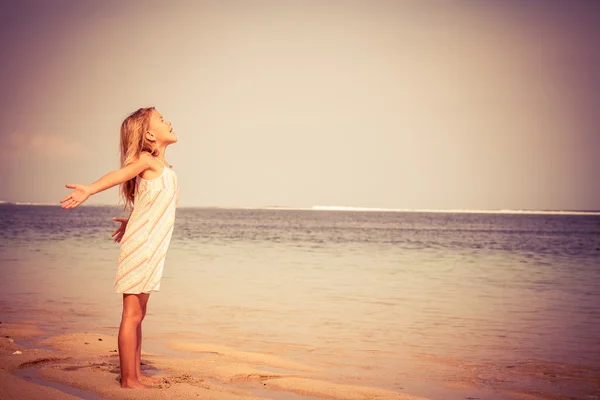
(138, 351)
(130, 321)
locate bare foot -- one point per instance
(149, 380)
(133, 384)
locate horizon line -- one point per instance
(350, 209)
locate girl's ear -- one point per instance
(150, 136)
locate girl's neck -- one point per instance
(161, 152)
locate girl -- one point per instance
(149, 187)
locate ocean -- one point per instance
(500, 302)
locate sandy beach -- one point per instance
(86, 365)
(77, 365)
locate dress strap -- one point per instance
(157, 159)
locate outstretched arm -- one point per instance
(81, 193)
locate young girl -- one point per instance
(149, 187)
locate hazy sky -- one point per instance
(395, 104)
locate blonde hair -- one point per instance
(133, 143)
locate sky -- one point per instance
(383, 104)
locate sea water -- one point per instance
(372, 298)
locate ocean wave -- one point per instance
(455, 211)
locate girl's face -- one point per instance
(161, 130)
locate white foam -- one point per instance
(454, 211)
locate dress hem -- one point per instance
(148, 292)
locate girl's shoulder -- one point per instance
(153, 166)
(146, 157)
(150, 161)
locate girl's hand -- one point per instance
(78, 196)
(118, 234)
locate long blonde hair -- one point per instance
(133, 142)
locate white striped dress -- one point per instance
(148, 234)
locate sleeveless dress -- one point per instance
(148, 234)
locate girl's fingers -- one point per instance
(69, 197)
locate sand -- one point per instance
(86, 365)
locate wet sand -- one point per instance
(86, 365)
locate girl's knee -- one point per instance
(134, 306)
(134, 316)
